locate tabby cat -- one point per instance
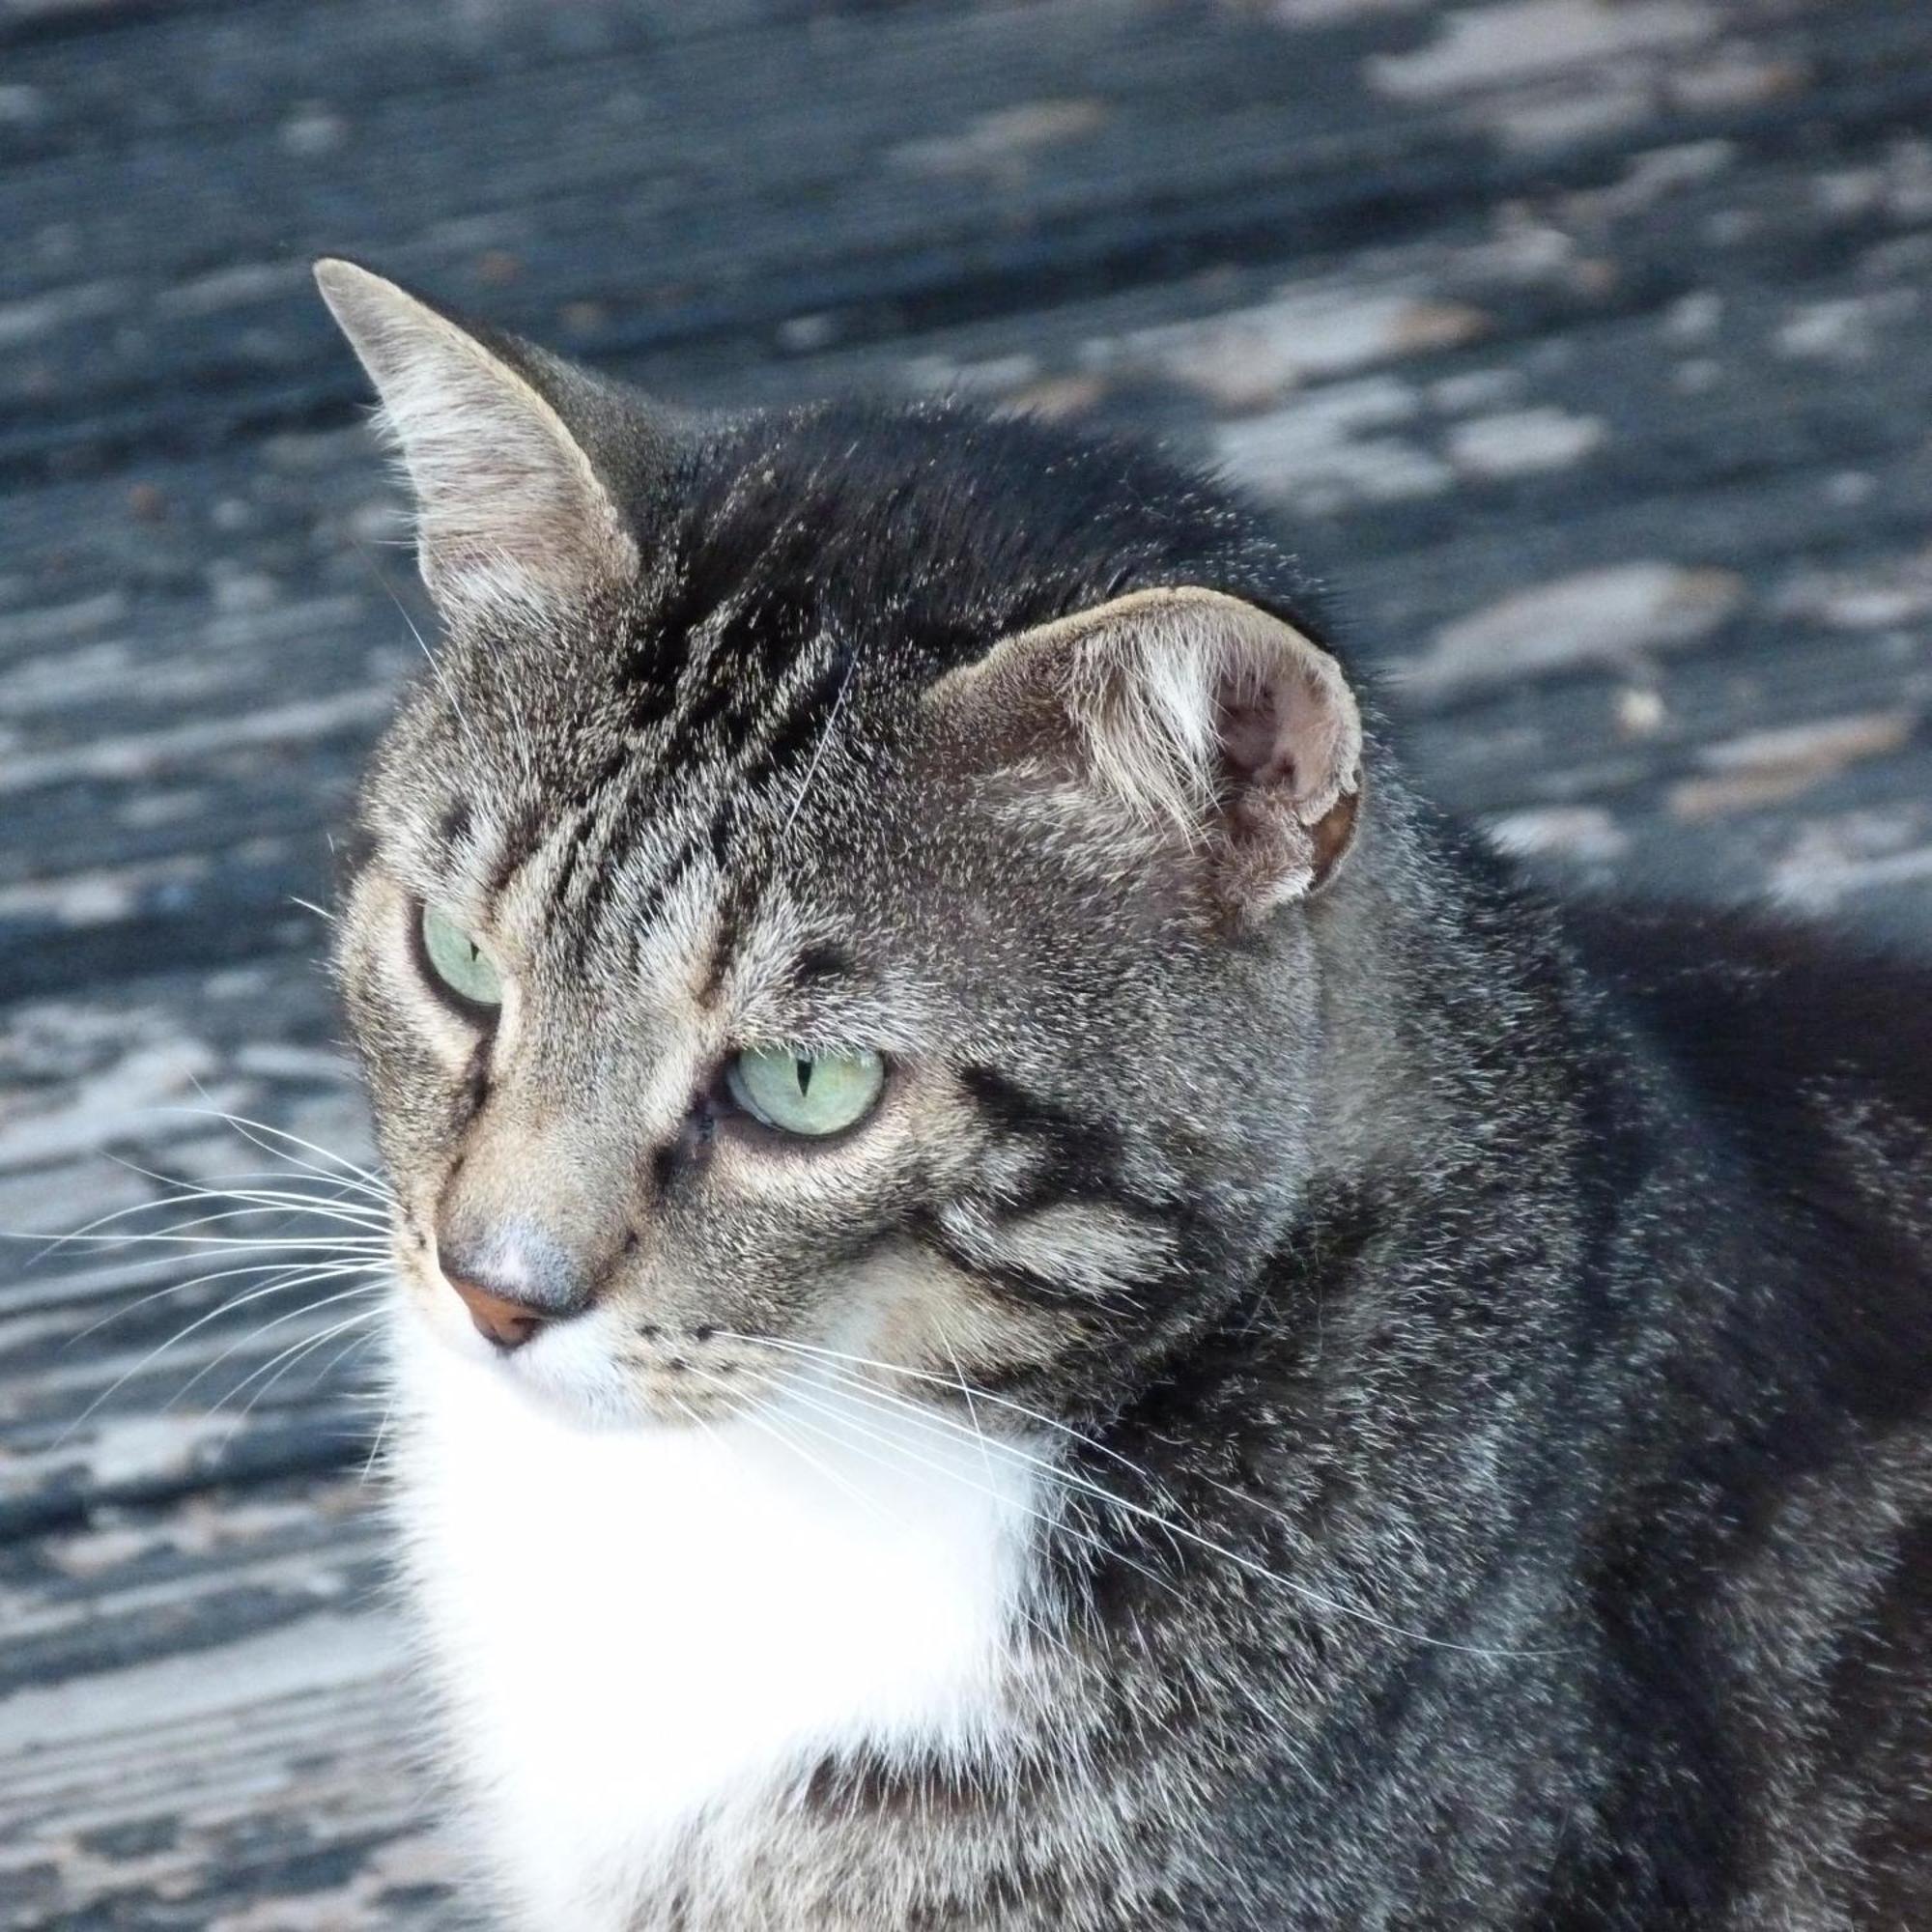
(1027, 1296)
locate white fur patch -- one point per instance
(644, 1632)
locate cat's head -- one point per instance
(849, 881)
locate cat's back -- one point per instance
(1759, 1010)
(1801, 1068)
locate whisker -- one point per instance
(847, 1431)
(369, 1225)
(288, 1172)
(870, 1395)
(253, 1204)
(281, 1355)
(966, 1394)
(370, 1244)
(181, 1288)
(818, 751)
(248, 1129)
(363, 1289)
(1305, 1593)
(465, 734)
(375, 1446)
(766, 1423)
(288, 1358)
(357, 1341)
(181, 1335)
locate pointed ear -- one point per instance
(508, 505)
(1200, 717)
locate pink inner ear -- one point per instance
(1278, 733)
(1252, 742)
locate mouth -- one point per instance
(594, 1370)
(711, 1385)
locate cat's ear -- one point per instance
(509, 506)
(1196, 715)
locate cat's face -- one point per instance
(785, 937)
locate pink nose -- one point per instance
(499, 1318)
(512, 1275)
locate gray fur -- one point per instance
(1495, 1468)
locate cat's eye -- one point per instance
(458, 961)
(806, 1093)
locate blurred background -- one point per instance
(1586, 345)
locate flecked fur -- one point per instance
(1473, 1352)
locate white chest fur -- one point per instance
(635, 1630)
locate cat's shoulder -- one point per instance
(1799, 1062)
(1760, 1008)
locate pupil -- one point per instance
(802, 1069)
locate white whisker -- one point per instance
(89, 1232)
(284, 1267)
(288, 1358)
(258, 1244)
(360, 1292)
(1313, 1598)
(181, 1335)
(880, 1403)
(854, 1436)
(818, 751)
(249, 1183)
(768, 1424)
(382, 1432)
(248, 1129)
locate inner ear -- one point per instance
(1286, 761)
(1255, 747)
(1286, 721)
(1288, 743)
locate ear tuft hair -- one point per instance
(1202, 716)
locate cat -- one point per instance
(1027, 1295)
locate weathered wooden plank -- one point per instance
(1585, 343)
(901, 182)
(202, 1710)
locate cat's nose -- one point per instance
(497, 1318)
(513, 1281)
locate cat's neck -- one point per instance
(638, 1627)
(1452, 1019)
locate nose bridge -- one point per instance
(545, 1193)
(535, 1206)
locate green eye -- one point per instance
(458, 961)
(801, 1094)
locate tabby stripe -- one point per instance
(1018, 1284)
(795, 739)
(1088, 1149)
(749, 766)
(520, 844)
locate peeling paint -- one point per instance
(1246, 358)
(1323, 451)
(1523, 442)
(140, 755)
(1002, 141)
(1492, 47)
(1595, 617)
(1586, 833)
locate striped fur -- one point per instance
(1330, 1392)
